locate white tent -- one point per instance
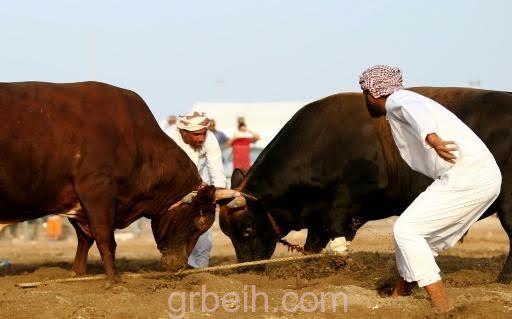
(265, 118)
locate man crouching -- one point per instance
(467, 180)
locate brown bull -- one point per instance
(96, 152)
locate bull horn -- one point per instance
(225, 193)
(187, 199)
(249, 196)
(237, 202)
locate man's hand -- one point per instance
(442, 148)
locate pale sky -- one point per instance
(175, 53)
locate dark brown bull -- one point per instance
(95, 151)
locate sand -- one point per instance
(322, 288)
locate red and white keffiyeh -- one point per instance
(381, 80)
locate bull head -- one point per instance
(177, 231)
(244, 220)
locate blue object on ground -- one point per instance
(5, 264)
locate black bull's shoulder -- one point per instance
(332, 167)
(88, 145)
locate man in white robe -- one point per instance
(467, 180)
(192, 135)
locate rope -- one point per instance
(280, 239)
(181, 272)
(255, 263)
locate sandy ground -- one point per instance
(308, 289)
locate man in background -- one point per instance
(241, 144)
(221, 137)
(192, 135)
(168, 123)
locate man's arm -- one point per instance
(419, 117)
(214, 161)
(442, 147)
(255, 137)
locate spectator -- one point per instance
(221, 137)
(241, 143)
(168, 124)
(54, 224)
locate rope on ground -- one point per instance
(255, 263)
(156, 275)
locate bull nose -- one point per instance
(171, 262)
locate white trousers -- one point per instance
(442, 214)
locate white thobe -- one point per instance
(208, 160)
(459, 195)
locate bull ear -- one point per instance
(237, 177)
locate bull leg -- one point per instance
(342, 214)
(82, 250)
(96, 198)
(505, 215)
(102, 228)
(316, 240)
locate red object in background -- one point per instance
(54, 224)
(242, 153)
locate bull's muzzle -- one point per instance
(173, 262)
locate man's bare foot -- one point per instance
(402, 288)
(439, 298)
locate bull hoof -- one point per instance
(505, 279)
(113, 281)
(78, 273)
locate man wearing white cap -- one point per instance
(467, 179)
(192, 135)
